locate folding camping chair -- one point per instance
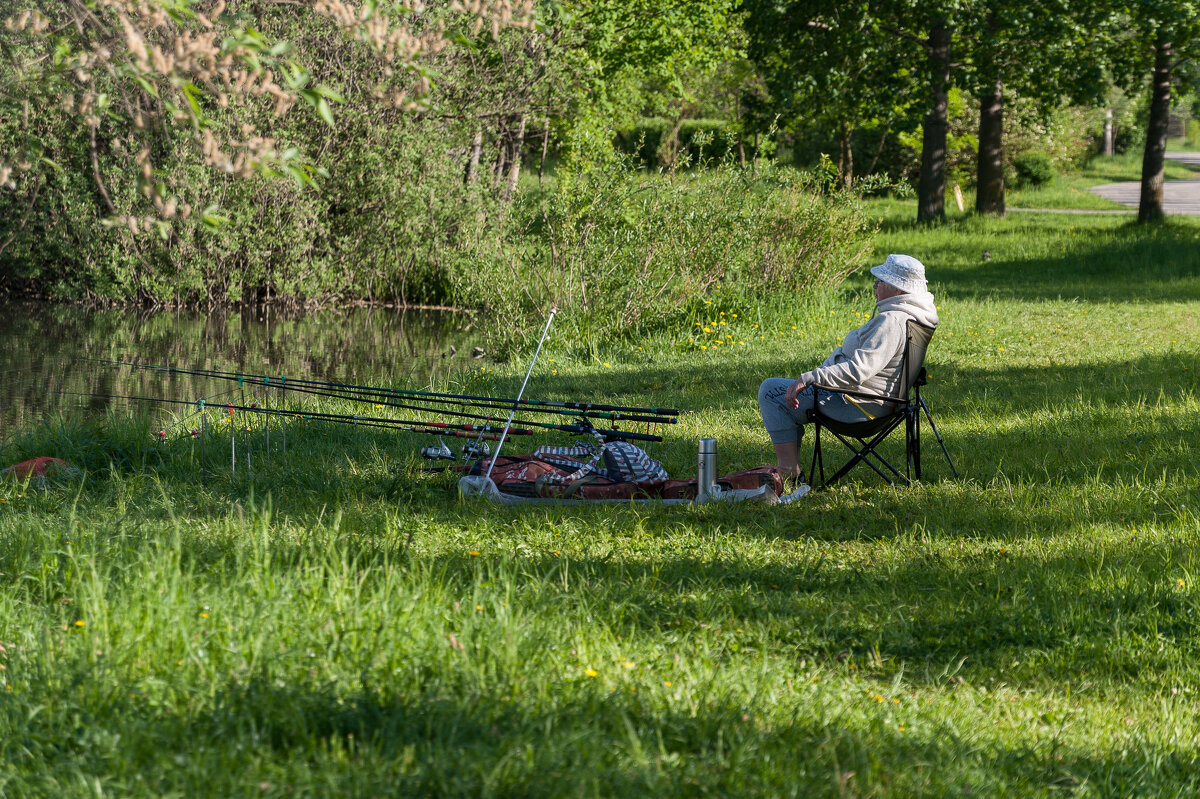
(863, 438)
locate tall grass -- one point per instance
(318, 627)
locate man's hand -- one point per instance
(792, 397)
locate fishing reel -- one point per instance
(476, 449)
(440, 452)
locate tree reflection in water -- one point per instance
(51, 352)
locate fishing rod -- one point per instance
(582, 427)
(386, 397)
(290, 382)
(521, 393)
(391, 402)
(364, 421)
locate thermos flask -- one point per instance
(706, 471)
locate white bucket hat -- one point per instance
(904, 272)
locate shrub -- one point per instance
(625, 254)
(1033, 168)
(1193, 133)
(659, 142)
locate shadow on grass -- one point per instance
(448, 739)
(1113, 449)
(1126, 262)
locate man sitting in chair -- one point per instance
(869, 360)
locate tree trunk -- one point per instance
(1108, 133)
(989, 194)
(516, 145)
(742, 149)
(878, 152)
(473, 161)
(845, 156)
(1150, 207)
(931, 191)
(545, 146)
(500, 167)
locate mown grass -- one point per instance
(317, 626)
(1068, 190)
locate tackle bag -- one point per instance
(537, 476)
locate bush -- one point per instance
(1033, 168)
(625, 254)
(1193, 133)
(659, 142)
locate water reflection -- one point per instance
(51, 352)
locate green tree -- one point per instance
(829, 64)
(141, 76)
(1165, 37)
(1042, 50)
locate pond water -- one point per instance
(59, 357)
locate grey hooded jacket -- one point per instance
(870, 356)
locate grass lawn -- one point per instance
(1070, 191)
(319, 628)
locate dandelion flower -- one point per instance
(479, 607)
(80, 623)
(1180, 582)
(473, 553)
(204, 615)
(591, 672)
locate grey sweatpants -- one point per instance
(786, 425)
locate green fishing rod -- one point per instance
(288, 382)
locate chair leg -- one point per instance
(863, 455)
(938, 435)
(916, 427)
(818, 461)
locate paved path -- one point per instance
(1179, 196)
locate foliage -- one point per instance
(1067, 133)
(171, 195)
(659, 142)
(145, 76)
(830, 68)
(612, 47)
(1033, 168)
(626, 254)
